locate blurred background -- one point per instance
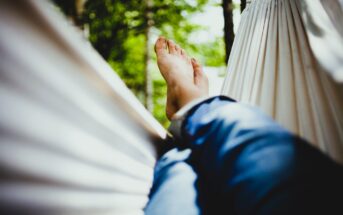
(124, 33)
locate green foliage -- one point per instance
(110, 23)
(211, 53)
(117, 31)
(131, 67)
(160, 92)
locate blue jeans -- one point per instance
(232, 159)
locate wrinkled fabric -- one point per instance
(232, 159)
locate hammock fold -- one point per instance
(273, 66)
(73, 138)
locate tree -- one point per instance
(148, 15)
(228, 27)
(243, 5)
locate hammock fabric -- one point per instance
(74, 139)
(279, 62)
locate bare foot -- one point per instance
(184, 76)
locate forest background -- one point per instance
(124, 32)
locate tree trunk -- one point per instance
(148, 88)
(243, 5)
(228, 27)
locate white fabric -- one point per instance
(273, 67)
(73, 138)
(323, 20)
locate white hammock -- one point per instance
(279, 62)
(73, 138)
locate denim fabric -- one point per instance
(236, 160)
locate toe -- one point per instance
(171, 47)
(199, 76)
(196, 66)
(183, 53)
(185, 56)
(178, 49)
(161, 46)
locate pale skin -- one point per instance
(184, 75)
